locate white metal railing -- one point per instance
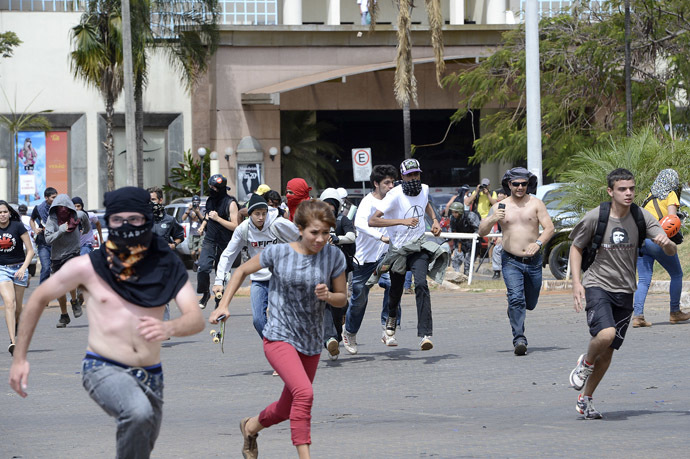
(551, 8)
(43, 5)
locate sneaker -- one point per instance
(425, 344)
(64, 320)
(349, 341)
(391, 324)
(520, 348)
(204, 300)
(638, 321)
(250, 449)
(388, 340)
(585, 407)
(579, 375)
(332, 346)
(10, 348)
(497, 275)
(679, 316)
(76, 308)
(195, 266)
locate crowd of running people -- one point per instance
(302, 254)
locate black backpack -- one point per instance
(590, 253)
(347, 249)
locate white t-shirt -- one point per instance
(369, 245)
(397, 205)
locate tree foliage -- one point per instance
(582, 80)
(185, 179)
(8, 41)
(644, 154)
(309, 158)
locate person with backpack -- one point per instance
(661, 202)
(343, 236)
(263, 228)
(606, 243)
(462, 221)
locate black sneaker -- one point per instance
(391, 324)
(64, 320)
(520, 348)
(204, 300)
(10, 348)
(76, 308)
(497, 275)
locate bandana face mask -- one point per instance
(127, 244)
(158, 211)
(412, 188)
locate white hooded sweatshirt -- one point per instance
(276, 230)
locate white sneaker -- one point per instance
(425, 344)
(349, 341)
(332, 346)
(388, 340)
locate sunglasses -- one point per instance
(518, 184)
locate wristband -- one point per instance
(538, 242)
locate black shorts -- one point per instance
(608, 309)
(55, 265)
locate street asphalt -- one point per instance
(467, 397)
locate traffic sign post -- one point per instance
(361, 165)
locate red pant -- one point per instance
(297, 372)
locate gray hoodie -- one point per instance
(63, 242)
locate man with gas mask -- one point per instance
(402, 211)
(222, 217)
(127, 281)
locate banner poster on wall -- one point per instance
(31, 166)
(249, 177)
(57, 167)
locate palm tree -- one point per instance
(405, 83)
(309, 158)
(15, 123)
(187, 31)
(97, 60)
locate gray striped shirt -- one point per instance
(295, 315)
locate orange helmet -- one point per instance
(670, 224)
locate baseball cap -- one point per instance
(263, 188)
(486, 181)
(409, 165)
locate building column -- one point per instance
(495, 11)
(292, 12)
(333, 16)
(457, 12)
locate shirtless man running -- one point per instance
(521, 259)
(127, 283)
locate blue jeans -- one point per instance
(645, 265)
(85, 249)
(360, 296)
(523, 283)
(44, 255)
(258, 295)
(137, 406)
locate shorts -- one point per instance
(55, 265)
(195, 243)
(608, 309)
(7, 274)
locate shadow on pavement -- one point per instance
(176, 343)
(624, 415)
(537, 349)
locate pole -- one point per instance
(533, 89)
(472, 255)
(628, 83)
(130, 122)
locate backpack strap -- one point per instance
(641, 224)
(659, 214)
(604, 212)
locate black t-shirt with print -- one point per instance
(11, 245)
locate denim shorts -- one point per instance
(7, 274)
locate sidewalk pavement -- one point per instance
(468, 397)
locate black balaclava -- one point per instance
(137, 264)
(412, 188)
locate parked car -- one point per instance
(176, 209)
(439, 201)
(557, 250)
